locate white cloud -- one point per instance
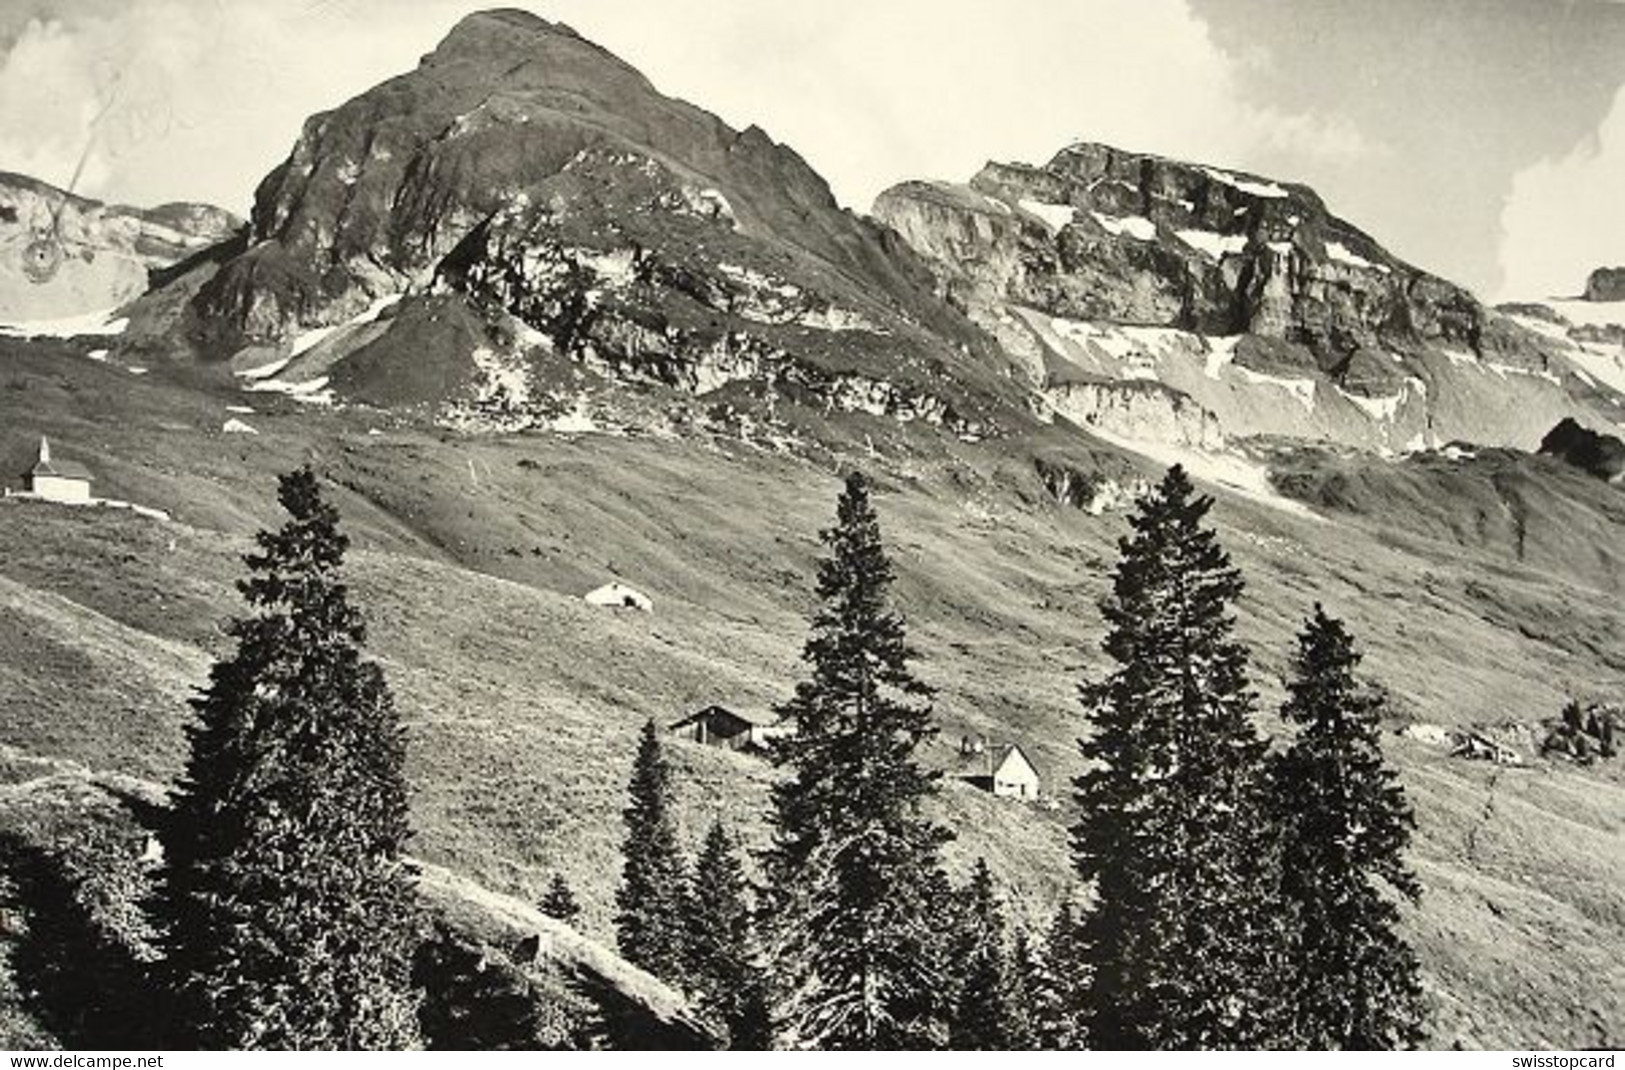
(210, 93)
(872, 94)
(192, 99)
(1566, 216)
(48, 106)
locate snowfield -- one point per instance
(1257, 189)
(90, 323)
(1301, 389)
(1137, 227)
(1214, 244)
(1342, 253)
(1588, 313)
(1055, 216)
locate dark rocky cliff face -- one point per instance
(1601, 455)
(1606, 284)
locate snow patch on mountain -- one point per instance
(1589, 313)
(1055, 216)
(1301, 389)
(1382, 409)
(1221, 350)
(308, 391)
(1257, 189)
(1214, 244)
(264, 371)
(1137, 227)
(1342, 253)
(99, 324)
(1600, 364)
(1231, 471)
(308, 340)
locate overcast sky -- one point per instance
(1482, 139)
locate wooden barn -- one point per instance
(718, 726)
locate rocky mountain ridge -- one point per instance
(1245, 297)
(64, 255)
(523, 233)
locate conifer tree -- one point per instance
(1024, 1022)
(560, 901)
(1182, 941)
(721, 970)
(855, 863)
(1055, 976)
(289, 920)
(1345, 826)
(991, 1013)
(649, 923)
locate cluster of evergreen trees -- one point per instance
(1238, 898)
(691, 926)
(1235, 897)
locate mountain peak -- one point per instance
(503, 21)
(504, 36)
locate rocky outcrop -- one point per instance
(1606, 284)
(1088, 488)
(1601, 455)
(62, 255)
(1137, 410)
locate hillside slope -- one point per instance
(523, 701)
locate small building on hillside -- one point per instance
(56, 480)
(1482, 748)
(619, 596)
(1015, 776)
(718, 726)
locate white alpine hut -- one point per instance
(619, 596)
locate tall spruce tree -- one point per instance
(855, 863)
(289, 919)
(649, 923)
(1182, 940)
(721, 969)
(1346, 824)
(992, 1011)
